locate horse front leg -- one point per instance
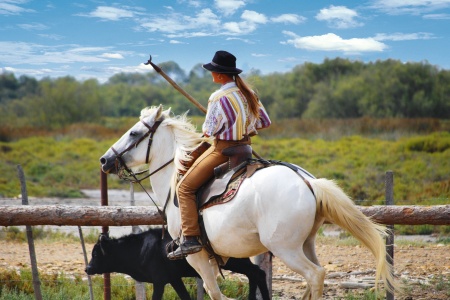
(200, 262)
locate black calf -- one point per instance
(143, 257)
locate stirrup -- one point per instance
(184, 250)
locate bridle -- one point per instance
(125, 173)
(151, 131)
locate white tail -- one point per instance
(336, 207)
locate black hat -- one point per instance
(223, 62)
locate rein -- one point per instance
(131, 176)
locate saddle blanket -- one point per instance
(205, 199)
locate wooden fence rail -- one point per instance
(63, 215)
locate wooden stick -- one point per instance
(175, 85)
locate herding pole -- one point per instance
(175, 85)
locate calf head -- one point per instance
(102, 260)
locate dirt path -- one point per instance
(416, 264)
(425, 267)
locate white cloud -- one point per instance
(403, 36)
(238, 28)
(253, 17)
(205, 21)
(288, 59)
(194, 3)
(29, 72)
(437, 16)
(110, 71)
(414, 7)
(17, 53)
(169, 25)
(260, 55)
(339, 17)
(333, 42)
(11, 7)
(248, 25)
(229, 7)
(288, 18)
(110, 13)
(54, 37)
(112, 55)
(204, 18)
(188, 35)
(247, 41)
(33, 26)
(175, 42)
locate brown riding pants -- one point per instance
(198, 174)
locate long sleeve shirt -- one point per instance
(228, 116)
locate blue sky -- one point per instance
(97, 39)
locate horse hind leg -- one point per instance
(310, 252)
(314, 274)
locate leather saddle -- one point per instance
(238, 157)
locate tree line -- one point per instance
(335, 88)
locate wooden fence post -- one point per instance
(140, 286)
(200, 291)
(29, 229)
(390, 237)
(105, 230)
(264, 261)
(91, 292)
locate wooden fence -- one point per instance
(63, 215)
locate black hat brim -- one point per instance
(218, 69)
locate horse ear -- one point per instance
(159, 111)
(167, 111)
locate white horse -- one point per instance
(274, 210)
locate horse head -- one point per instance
(134, 149)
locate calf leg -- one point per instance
(180, 288)
(256, 276)
(158, 290)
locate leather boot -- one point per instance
(190, 245)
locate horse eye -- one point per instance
(133, 133)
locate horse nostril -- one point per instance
(103, 160)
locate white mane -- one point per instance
(186, 138)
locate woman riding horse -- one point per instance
(234, 114)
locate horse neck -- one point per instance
(161, 180)
(161, 185)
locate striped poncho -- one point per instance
(228, 116)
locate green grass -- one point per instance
(19, 286)
(360, 295)
(16, 234)
(61, 167)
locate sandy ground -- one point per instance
(423, 267)
(418, 266)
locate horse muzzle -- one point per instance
(109, 165)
